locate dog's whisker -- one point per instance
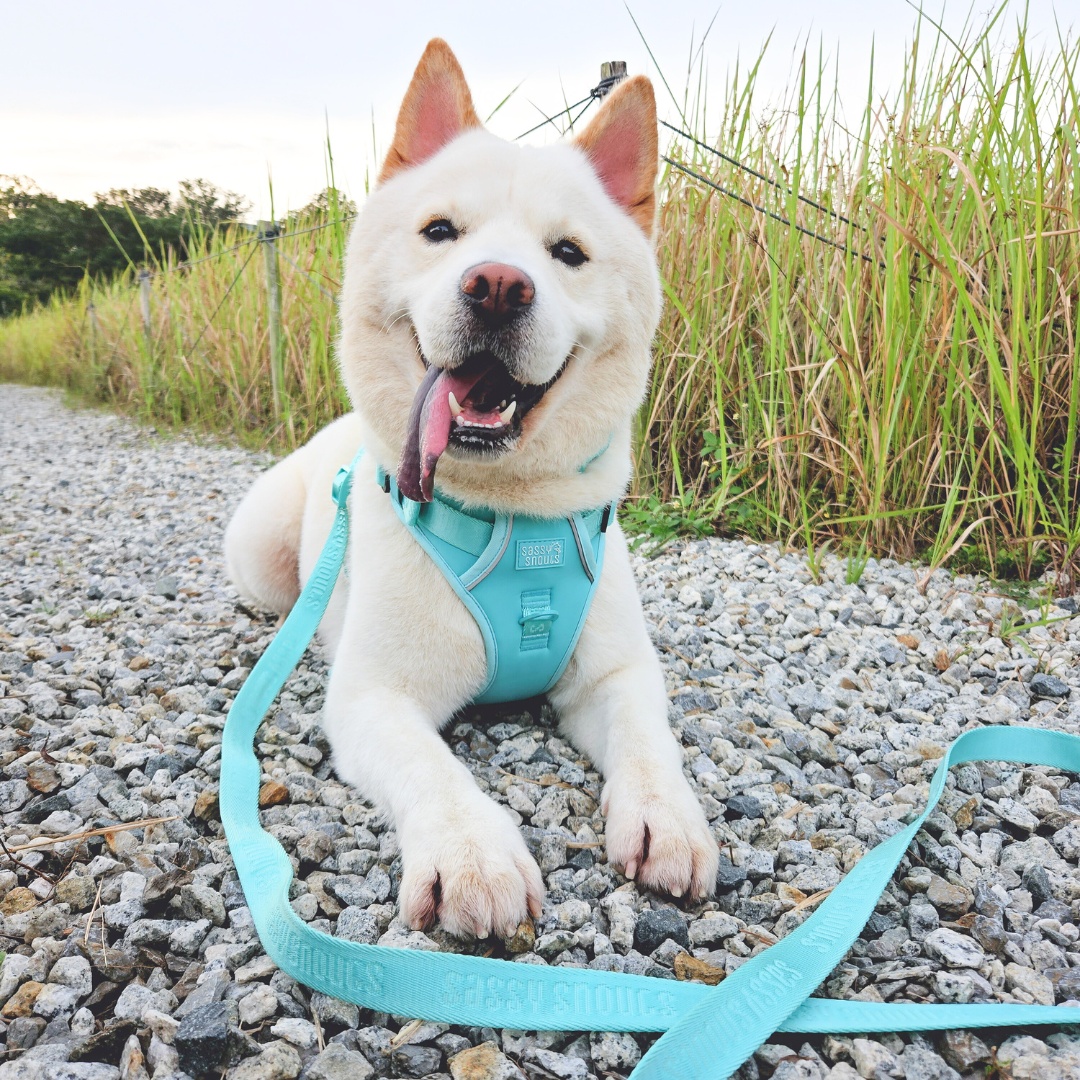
(393, 319)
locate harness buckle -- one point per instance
(382, 478)
(537, 615)
(410, 510)
(342, 484)
(605, 518)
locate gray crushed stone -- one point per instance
(811, 714)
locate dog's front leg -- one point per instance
(613, 706)
(464, 861)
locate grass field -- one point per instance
(905, 382)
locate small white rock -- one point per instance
(260, 1004)
(299, 1032)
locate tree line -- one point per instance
(48, 244)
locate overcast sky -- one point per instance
(124, 94)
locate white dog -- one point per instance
(516, 287)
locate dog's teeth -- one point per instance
(459, 418)
(505, 415)
(455, 408)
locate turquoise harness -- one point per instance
(710, 1030)
(528, 583)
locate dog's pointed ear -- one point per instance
(436, 109)
(621, 145)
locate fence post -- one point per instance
(144, 305)
(611, 73)
(267, 231)
(92, 312)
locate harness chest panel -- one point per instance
(528, 583)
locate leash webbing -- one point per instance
(710, 1030)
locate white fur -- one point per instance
(407, 654)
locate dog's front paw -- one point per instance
(474, 875)
(657, 832)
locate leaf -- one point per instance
(689, 968)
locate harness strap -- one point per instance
(596, 521)
(462, 530)
(472, 533)
(711, 1031)
(599, 454)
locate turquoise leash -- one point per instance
(710, 1030)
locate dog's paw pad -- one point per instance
(661, 838)
(473, 885)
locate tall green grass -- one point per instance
(912, 389)
(922, 399)
(205, 361)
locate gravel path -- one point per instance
(812, 716)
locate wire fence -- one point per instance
(770, 213)
(611, 74)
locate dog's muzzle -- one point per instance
(478, 406)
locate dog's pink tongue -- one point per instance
(429, 430)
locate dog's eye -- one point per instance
(566, 251)
(438, 231)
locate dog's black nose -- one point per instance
(497, 292)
